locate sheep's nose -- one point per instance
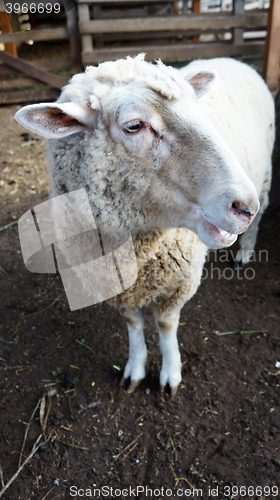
(243, 210)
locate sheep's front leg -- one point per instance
(135, 367)
(167, 325)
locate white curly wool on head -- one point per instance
(90, 87)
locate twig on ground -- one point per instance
(1, 269)
(91, 405)
(128, 446)
(141, 416)
(185, 349)
(36, 313)
(48, 492)
(47, 413)
(276, 373)
(175, 453)
(242, 332)
(6, 341)
(2, 477)
(41, 292)
(66, 428)
(13, 332)
(131, 449)
(17, 367)
(35, 448)
(207, 410)
(69, 390)
(26, 432)
(42, 411)
(70, 405)
(84, 345)
(5, 437)
(178, 479)
(73, 445)
(8, 225)
(29, 468)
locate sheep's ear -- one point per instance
(56, 120)
(201, 82)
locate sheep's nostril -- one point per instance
(247, 212)
(240, 208)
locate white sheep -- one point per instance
(163, 153)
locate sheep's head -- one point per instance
(178, 170)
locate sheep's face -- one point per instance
(176, 168)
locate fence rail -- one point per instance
(107, 33)
(168, 23)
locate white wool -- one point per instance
(97, 81)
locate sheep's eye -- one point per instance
(133, 127)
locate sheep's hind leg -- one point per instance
(167, 325)
(135, 367)
(247, 240)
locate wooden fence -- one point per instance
(108, 32)
(25, 81)
(102, 30)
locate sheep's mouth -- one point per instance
(224, 237)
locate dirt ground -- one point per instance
(218, 439)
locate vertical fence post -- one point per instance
(84, 15)
(6, 28)
(196, 10)
(272, 46)
(238, 10)
(74, 39)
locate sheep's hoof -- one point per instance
(161, 392)
(132, 386)
(173, 391)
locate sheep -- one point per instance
(178, 158)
